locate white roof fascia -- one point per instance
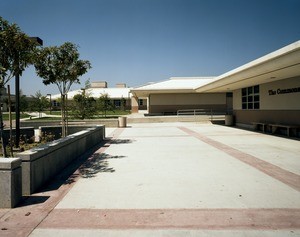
(226, 77)
(175, 83)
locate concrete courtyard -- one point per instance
(171, 179)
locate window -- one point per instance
(250, 97)
(141, 102)
(117, 103)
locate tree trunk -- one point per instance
(2, 131)
(63, 116)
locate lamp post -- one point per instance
(38, 42)
(50, 102)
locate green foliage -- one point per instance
(47, 137)
(16, 51)
(87, 84)
(105, 104)
(84, 106)
(60, 65)
(27, 143)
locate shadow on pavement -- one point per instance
(97, 164)
(85, 166)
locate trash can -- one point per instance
(122, 122)
(229, 120)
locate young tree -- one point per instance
(39, 103)
(60, 65)
(104, 104)
(16, 53)
(83, 106)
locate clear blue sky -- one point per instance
(140, 41)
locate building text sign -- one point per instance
(284, 91)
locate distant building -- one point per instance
(118, 95)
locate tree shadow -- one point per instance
(87, 165)
(121, 141)
(98, 163)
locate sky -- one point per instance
(141, 41)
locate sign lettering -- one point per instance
(284, 91)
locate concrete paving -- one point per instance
(174, 179)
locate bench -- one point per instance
(256, 124)
(288, 127)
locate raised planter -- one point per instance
(42, 163)
(10, 182)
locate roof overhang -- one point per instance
(281, 64)
(173, 85)
(146, 93)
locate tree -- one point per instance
(104, 104)
(39, 103)
(16, 53)
(60, 65)
(83, 106)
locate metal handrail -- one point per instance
(195, 112)
(192, 111)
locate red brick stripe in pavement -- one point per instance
(284, 176)
(213, 219)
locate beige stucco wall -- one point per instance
(186, 99)
(237, 99)
(171, 103)
(286, 101)
(275, 108)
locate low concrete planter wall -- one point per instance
(57, 130)
(43, 162)
(93, 122)
(10, 182)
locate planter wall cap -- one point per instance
(10, 163)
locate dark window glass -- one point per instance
(244, 92)
(117, 103)
(250, 97)
(250, 90)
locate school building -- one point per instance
(265, 91)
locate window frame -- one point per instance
(251, 98)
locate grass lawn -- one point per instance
(109, 115)
(5, 116)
